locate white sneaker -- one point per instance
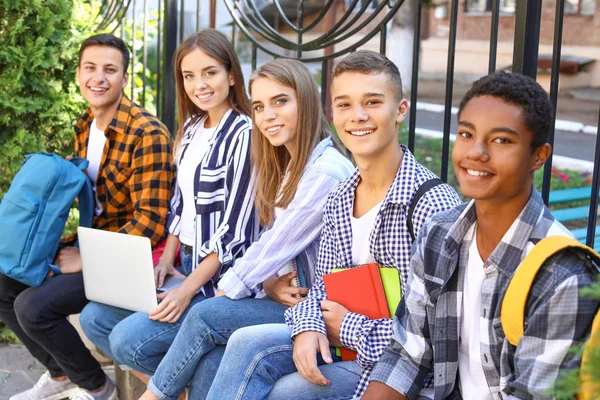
(83, 394)
(108, 392)
(47, 388)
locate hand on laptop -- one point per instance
(306, 345)
(281, 290)
(173, 305)
(161, 270)
(333, 315)
(68, 260)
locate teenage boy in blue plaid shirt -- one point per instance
(365, 221)
(447, 326)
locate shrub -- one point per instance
(38, 59)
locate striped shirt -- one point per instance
(226, 222)
(427, 323)
(136, 175)
(296, 232)
(390, 245)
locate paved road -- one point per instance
(19, 371)
(568, 144)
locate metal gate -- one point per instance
(259, 25)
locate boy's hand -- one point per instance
(333, 315)
(306, 346)
(68, 260)
(161, 270)
(281, 290)
(173, 305)
(220, 293)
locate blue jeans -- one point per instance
(199, 346)
(258, 364)
(131, 338)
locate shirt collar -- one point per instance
(189, 134)
(407, 172)
(118, 124)
(510, 251)
(395, 194)
(319, 150)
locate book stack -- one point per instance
(367, 289)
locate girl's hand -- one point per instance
(173, 305)
(161, 270)
(281, 290)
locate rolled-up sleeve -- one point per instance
(293, 231)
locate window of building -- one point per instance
(582, 7)
(360, 3)
(481, 6)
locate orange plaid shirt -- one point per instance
(136, 173)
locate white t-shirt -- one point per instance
(361, 230)
(473, 384)
(186, 172)
(96, 143)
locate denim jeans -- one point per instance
(197, 350)
(258, 364)
(38, 316)
(131, 338)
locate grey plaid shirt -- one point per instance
(389, 243)
(427, 323)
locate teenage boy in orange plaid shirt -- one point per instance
(129, 152)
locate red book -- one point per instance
(361, 291)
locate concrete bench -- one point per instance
(130, 387)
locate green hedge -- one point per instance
(38, 100)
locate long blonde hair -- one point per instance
(217, 46)
(271, 164)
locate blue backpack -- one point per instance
(34, 211)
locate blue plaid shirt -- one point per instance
(390, 245)
(427, 323)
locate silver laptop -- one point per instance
(117, 269)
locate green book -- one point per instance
(390, 278)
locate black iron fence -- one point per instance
(317, 32)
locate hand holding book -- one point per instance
(282, 289)
(333, 315)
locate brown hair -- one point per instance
(217, 46)
(106, 39)
(371, 62)
(271, 164)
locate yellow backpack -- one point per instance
(512, 313)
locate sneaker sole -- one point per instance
(114, 396)
(62, 395)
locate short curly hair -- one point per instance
(520, 90)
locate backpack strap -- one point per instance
(85, 198)
(512, 313)
(419, 193)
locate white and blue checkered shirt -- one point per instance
(427, 323)
(390, 245)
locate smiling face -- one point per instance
(207, 84)
(101, 78)
(492, 155)
(366, 113)
(275, 112)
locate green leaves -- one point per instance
(39, 40)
